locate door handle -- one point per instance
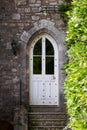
(53, 78)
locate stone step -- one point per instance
(47, 115)
(44, 113)
(45, 109)
(47, 118)
(47, 128)
(47, 122)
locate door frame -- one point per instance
(53, 42)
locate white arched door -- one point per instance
(44, 72)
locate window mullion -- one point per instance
(43, 55)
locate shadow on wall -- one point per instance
(5, 125)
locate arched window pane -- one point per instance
(49, 58)
(49, 48)
(37, 57)
(43, 57)
(38, 48)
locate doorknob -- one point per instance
(54, 77)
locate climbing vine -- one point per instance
(76, 69)
(63, 8)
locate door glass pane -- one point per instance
(49, 48)
(49, 58)
(37, 56)
(38, 48)
(37, 65)
(49, 65)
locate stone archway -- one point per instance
(41, 27)
(59, 35)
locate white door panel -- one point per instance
(44, 88)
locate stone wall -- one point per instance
(22, 20)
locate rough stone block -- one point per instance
(24, 36)
(20, 2)
(16, 16)
(35, 17)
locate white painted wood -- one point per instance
(44, 88)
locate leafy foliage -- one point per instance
(63, 8)
(76, 80)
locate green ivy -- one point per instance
(76, 80)
(63, 9)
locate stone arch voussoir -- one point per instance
(46, 26)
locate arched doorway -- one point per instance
(43, 59)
